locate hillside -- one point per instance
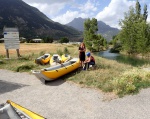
(105, 30)
(31, 22)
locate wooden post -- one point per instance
(18, 54)
(7, 53)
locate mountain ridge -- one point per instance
(31, 22)
(104, 29)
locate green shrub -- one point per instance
(130, 83)
(59, 52)
(2, 56)
(66, 51)
(25, 67)
(2, 62)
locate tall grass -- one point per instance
(112, 76)
(66, 51)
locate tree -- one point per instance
(134, 35)
(90, 36)
(138, 9)
(93, 41)
(99, 43)
(145, 15)
(47, 40)
(128, 32)
(64, 40)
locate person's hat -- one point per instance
(88, 54)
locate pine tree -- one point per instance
(138, 9)
(128, 32)
(145, 15)
(90, 36)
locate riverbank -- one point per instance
(109, 76)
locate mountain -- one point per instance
(31, 22)
(103, 29)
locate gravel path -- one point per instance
(64, 100)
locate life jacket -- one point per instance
(92, 59)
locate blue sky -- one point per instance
(108, 11)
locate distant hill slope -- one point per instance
(105, 30)
(31, 22)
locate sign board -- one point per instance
(11, 34)
(11, 38)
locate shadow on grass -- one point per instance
(9, 86)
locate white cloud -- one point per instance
(64, 11)
(82, 10)
(114, 12)
(48, 7)
(69, 16)
(88, 6)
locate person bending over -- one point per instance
(89, 61)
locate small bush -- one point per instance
(59, 52)
(2, 62)
(25, 67)
(2, 56)
(27, 57)
(66, 51)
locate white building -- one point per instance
(38, 40)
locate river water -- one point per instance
(134, 61)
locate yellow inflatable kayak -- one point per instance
(43, 59)
(56, 59)
(65, 58)
(12, 110)
(57, 71)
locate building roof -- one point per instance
(36, 39)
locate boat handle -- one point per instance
(63, 66)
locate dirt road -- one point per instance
(64, 100)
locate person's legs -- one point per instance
(85, 66)
(90, 63)
(82, 63)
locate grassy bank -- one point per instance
(109, 75)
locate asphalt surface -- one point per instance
(65, 100)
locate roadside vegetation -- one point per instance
(108, 76)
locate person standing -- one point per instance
(82, 50)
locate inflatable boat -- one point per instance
(43, 59)
(11, 110)
(54, 72)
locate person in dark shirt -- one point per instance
(82, 50)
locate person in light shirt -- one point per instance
(89, 61)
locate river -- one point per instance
(134, 61)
